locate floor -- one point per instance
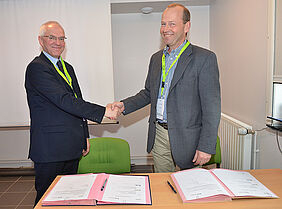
(17, 192)
(17, 188)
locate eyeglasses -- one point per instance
(54, 38)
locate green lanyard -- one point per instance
(68, 78)
(163, 64)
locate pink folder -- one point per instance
(97, 191)
(226, 179)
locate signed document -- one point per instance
(72, 187)
(133, 190)
(95, 189)
(201, 185)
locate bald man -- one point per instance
(183, 89)
(58, 132)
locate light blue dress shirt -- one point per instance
(52, 59)
(169, 58)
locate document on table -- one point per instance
(93, 189)
(201, 185)
(242, 183)
(72, 187)
(125, 189)
(197, 184)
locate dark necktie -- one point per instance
(60, 66)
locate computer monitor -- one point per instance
(277, 100)
(276, 123)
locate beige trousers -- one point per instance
(163, 161)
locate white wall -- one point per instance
(88, 48)
(238, 35)
(278, 50)
(239, 38)
(14, 145)
(135, 38)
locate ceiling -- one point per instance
(158, 6)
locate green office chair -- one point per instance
(216, 158)
(106, 155)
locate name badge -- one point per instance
(160, 109)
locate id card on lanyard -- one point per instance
(161, 101)
(160, 109)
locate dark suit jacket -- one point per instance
(193, 103)
(58, 131)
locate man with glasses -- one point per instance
(58, 131)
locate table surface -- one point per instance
(164, 198)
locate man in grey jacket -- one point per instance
(183, 89)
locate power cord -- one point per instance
(277, 139)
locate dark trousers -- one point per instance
(45, 173)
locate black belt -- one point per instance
(164, 125)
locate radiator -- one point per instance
(237, 142)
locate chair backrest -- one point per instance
(216, 158)
(106, 155)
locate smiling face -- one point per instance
(54, 47)
(173, 30)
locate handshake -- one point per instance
(114, 110)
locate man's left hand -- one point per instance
(85, 152)
(201, 158)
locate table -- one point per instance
(164, 198)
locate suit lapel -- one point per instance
(157, 72)
(182, 64)
(46, 60)
(54, 71)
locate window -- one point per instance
(277, 100)
(274, 107)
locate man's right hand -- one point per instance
(119, 105)
(111, 113)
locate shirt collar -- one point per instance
(174, 51)
(52, 59)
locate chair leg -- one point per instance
(217, 165)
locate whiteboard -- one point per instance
(87, 25)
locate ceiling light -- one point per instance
(146, 10)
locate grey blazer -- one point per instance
(193, 103)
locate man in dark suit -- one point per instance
(183, 89)
(58, 130)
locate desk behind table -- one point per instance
(164, 198)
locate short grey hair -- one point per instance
(43, 27)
